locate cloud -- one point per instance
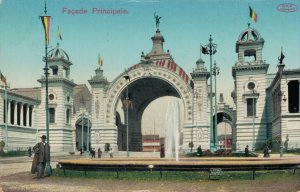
(1, 2)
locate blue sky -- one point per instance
(120, 39)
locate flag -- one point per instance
(58, 34)
(2, 78)
(100, 61)
(253, 14)
(204, 50)
(46, 24)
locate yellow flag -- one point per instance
(100, 61)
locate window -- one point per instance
(51, 115)
(251, 107)
(293, 96)
(68, 114)
(54, 71)
(51, 96)
(251, 85)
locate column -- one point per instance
(15, 113)
(27, 115)
(21, 114)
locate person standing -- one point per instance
(111, 153)
(29, 151)
(266, 151)
(42, 153)
(247, 151)
(199, 151)
(99, 152)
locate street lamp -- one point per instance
(253, 119)
(82, 124)
(216, 71)
(210, 49)
(225, 143)
(281, 143)
(127, 78)
(88, 141)
(48, 170)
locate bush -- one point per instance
(223, 153)
(14, 154)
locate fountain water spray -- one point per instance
(172, 130)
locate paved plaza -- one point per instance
(15, 176)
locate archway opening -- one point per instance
(141, 93)
(81, 132)
(224, 131)
(154, 123)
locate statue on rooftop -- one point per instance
(157, 18)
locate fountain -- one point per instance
(172, 130)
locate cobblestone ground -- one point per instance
(15, 176)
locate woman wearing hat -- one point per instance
(42, 154)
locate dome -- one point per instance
(250, 34)
(58, 53)
(200, 61)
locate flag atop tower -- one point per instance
(59, 34)
(100, 61)
(253, 14)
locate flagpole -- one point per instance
(210, 49)
(48, 170)
(6, 111)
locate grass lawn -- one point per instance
(178, 176)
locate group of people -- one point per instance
(99, 152)
(266, 151)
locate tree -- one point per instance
(191, 145)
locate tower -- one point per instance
(99, 85)
(60, 101)
(200, 128)
(249, 95)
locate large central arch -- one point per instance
(156, 75)
(147, 82)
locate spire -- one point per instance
(45, 11)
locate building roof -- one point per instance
(58, 53)
(32, 93)
(82, 97)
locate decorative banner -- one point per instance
(46, 24)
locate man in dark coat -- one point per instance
(199, 151)
(247, 151)
(42, 151)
